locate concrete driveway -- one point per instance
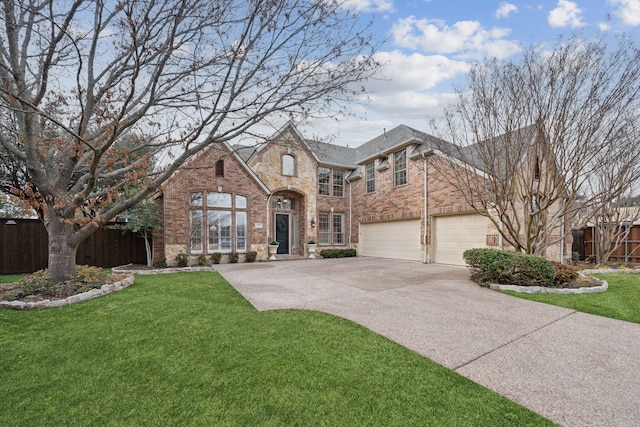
(573, 368)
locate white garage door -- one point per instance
(391, 239)
(457, 233)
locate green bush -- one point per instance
(337, 253)
(509, 268)
(233, 257)
(216, 257)
(251, 256)
(182, 259)
(202, 260)
(40, 283)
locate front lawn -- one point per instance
(187, 349)
(621, 301)
(10, 278)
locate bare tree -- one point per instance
(77, 76)
(533, 133)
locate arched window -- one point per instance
(288, 165)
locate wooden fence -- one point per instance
(627, 252)
(23, 247)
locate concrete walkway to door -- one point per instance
(575, 369)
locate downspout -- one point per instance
(426, 211)
(562, 240)
(350, 216)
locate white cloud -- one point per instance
(465, 39)
(505, 10)
(417, 71)
(566, 14)
(407, 92)
(628, 11)
(604, 26)
(370, 5)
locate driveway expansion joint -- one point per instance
(518, 338)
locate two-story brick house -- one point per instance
(387, 198)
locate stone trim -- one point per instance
(562, 291)
(124, 270)
(93, 293)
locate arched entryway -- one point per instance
(288, 219)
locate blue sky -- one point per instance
(430, 45)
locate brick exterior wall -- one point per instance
(199, 175)
(387, 203)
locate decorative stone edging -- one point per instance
(611, 271)
(562, 291)
(93, 293)
(123, 270)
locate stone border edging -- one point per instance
(93, 293)
(561, 291)
(123, 270)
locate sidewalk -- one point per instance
(573, 368)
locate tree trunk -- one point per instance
(62, 249)
(147, 247)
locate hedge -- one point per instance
(509, 268)
(337, 253)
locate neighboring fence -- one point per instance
(627, 252)
(23, 247)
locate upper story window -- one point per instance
(400, 168)
(219, 168)
(331, 182)
(370, 176)
(288, 165)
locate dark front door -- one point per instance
(282, 233)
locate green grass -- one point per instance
(10, 278)
(187, 349)
(621, 301)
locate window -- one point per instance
(331, 228)
(536, 169)
(324, 228)
(196, 232)
(400, 168)
(226, 222)
(338, 229)
(324, 181)
(338, 183)
(331, 182)
(219, 168)
(288, 165)
(370, 177)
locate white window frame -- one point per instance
(400, 168)
(370, 177)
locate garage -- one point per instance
(391, 239)
(455, 234)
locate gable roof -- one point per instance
(232, 152)
(332, 154)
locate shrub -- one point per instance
(216, 257)
(182, 259)
(575, 258)
(91, 275)
(564, 273)
(337, 253)
(510, 268)
(202, 260)
(40, 283)
(233, 257)
(251, 256)
(35, 283)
